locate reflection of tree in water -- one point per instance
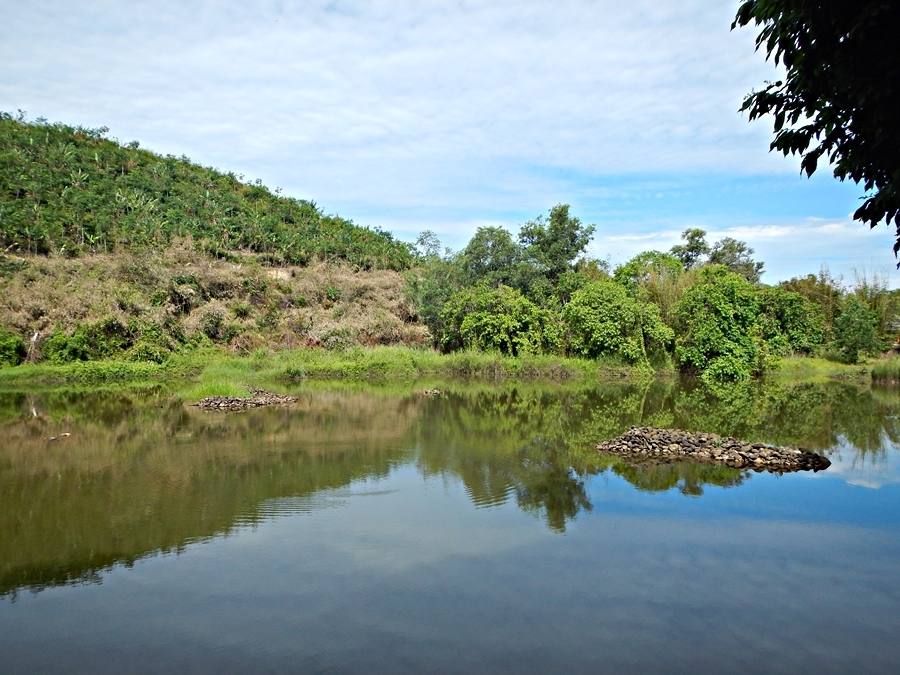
(688, 477)
(545, 484)
(143, 474)
(536, 444)
(153, 475)
(811, 415)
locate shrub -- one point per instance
(241, 310)
(855, 330)
(788, 322)
(603, 320)
(153, 344)
(90, 342)
(497, 319)
(12, 349)
(716, 324)
(645, 265)
(212, 324)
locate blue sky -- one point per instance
(451, 115)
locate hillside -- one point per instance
(69, 190)
(114, 251)
(127, 305)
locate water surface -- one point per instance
(381, 530)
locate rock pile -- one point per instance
(258, 398)
(669, 445)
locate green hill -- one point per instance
(70, 190)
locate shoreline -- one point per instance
(217, 372)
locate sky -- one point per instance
(448, 116)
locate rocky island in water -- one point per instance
(670, 445)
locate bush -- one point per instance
(12, 349)
(788, 322)
(603, 320)
(497, 319)
(717, 327)
(90, 342)
(212, 324)
(855, 330)
(153, 344)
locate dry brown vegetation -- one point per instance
(239, 303)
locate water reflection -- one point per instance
(142, 473)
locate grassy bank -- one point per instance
(209, 372)
(813, 369)
(217, 372)
(887, 371)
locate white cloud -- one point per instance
(365, 98)
(415, 115)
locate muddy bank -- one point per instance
(669, 445)
(257, 399)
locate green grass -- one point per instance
(887, 371)
(80, 373)
(215, 372)
(208, 371)
(812, 369)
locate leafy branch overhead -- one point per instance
(840, 98)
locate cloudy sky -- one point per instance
(450, 115)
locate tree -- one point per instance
(554, 243)
(854, 330)
(497, 319)
(490, 256)
(603, 320)
(691, 252)
(428, 244)
(789, 322)
(736, 256)
(823, 290)
(841, 93)
(642, 267)
(716, 326)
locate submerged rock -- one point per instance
(258, 398)
(669, 445)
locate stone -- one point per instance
(669, 445)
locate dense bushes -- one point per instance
(69, 189)
(717, 326)
(497, 319)
(602, 320)
(110, 338)
(534, 294)
(855, 330)
(12, 349)
(89, 342)
(789, 322)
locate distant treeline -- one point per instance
(67, 190)
(699, 307)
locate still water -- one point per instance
(378, 530)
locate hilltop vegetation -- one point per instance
(114, 252)
(70, 190)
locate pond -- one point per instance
(376, 529)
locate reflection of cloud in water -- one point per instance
(866, 469)
(397, 530)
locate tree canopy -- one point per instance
(840, 97)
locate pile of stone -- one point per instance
(257, 399)
(670, 445)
